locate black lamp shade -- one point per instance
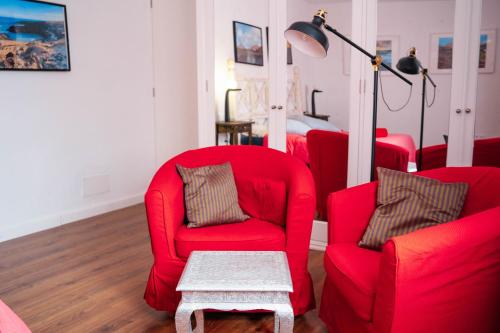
(409, 65)
(308, 38)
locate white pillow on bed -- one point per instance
(315, 123)
(295, 126)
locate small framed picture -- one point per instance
(442, 52)
(388, 49)
(248, 44)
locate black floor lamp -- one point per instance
(309, 38)
(411, 65)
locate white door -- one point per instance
(464, 81)
(241, 46)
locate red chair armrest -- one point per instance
(349, 212)
(447, 274)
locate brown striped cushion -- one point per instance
(406, 203)
(210, 195)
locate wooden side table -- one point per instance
(233, 128)
(235, 280)
(317, 116)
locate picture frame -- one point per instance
(441, 57)
(387, 47)
(34, 36)
(248, 44)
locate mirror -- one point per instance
(486, 150)
(400, 109)
(241, 71)
(318, 101)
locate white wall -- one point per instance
(98, 119)
(175, 76)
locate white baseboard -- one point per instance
(319, 235)
(55, 220)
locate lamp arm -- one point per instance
(368, 54)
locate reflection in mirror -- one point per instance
(241, 71)
(400, 114)
(487, 125)
(318, 101)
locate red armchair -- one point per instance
(439, 279)
(276, 179)
(328, 160)
(486, 153)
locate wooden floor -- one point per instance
(90, 276)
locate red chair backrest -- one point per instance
(484, 185)
(433, 157)
(487, 152)
(328, 154)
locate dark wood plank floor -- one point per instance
(90, 276)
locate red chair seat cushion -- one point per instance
(354, 271)
(251, 235)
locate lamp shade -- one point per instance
(308, 38)
(409, 64)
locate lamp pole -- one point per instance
(425, 76)
(411, 65)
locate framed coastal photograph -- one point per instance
(33, 36)
(442, 52)
(388, 49)
(248, 44)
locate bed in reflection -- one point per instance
(298, 126)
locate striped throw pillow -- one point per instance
(406, 203)
(210, 195)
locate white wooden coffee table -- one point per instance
(226, 280)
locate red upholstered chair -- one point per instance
(10, 322)
(438, 279)
(486, 152)
(433, 157)
(328, 161)
(272, 186)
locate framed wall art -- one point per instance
(33, 36)
(248, 44)
(442, 52)
(388, 49)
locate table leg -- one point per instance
(216, 135)
(183, 319)
(235, 136)
(200, 322)
(283, 319)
